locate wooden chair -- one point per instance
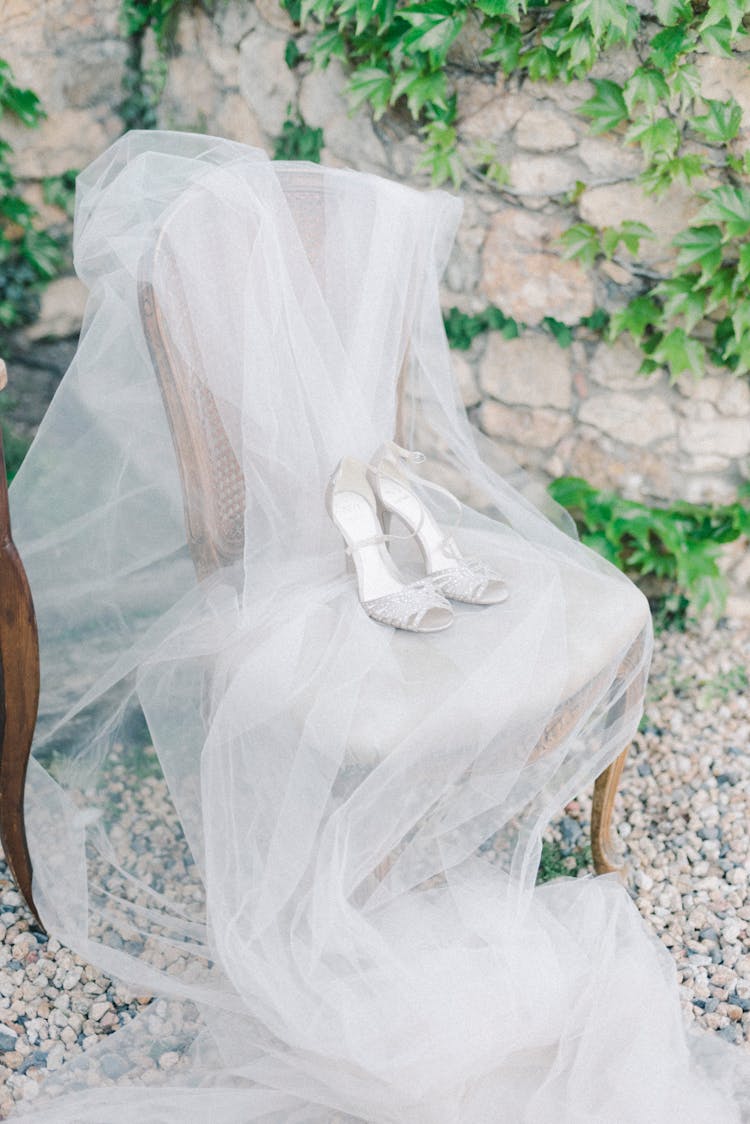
(213, 493)
(19, 693)
(214, 499)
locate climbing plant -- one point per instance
(398, 56)
(29, 255)
(679, 545)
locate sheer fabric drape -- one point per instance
(315, 838)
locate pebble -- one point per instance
(683, 818)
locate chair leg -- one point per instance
(19, 699)
(605, 790)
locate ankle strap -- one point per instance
(403, 459)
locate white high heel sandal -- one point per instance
(414, 606)
(457, 577)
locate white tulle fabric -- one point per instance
(325, 865)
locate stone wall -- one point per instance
(582, 410)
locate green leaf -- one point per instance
(24, 104)
(607, 108)
(722, 122)
(662, 173)
(328, 44)
(667, 45)
(581, 241)
(737, 352)
(43, 254)
(505, 47)
(292, 53)
(723, 287)
(729, 206)
(685, 82)
(441, 157)
(730, 12)
(631, 232)
(16, 210)
(639, 315)
(495, 8)
(598, 321)
(680, 352)
(717, 39)
(610, 240)
(701, 246)
(743, 261)
(422, 89)
(656, 138)
(580, 49)
(670, 12)
(681, 298)
(571, 491)
(741, 323)
(542, 64)
(560, 331)
(601, 15)
(434, 26)
(645, 85)
(371, 84)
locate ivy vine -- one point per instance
(29, 255)
(679, 545)
(398, 55)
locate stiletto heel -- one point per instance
(457, 577)
(352, 506)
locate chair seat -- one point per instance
(552, 648)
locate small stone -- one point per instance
(718, 435)
(8, 1038)
(466, 380)
(539, 428)
(266, 82)
(544, 130)
(236, 121)
(616, 203)
(635, 420)
(523, 274)
(114, 1066)
(56, 1056)
(61, 311)
(542, 175)
(489, 114)
(169, 1059)
(616, 273)
(531, 370)
(616, 366)
(72, 978)
(609, 159)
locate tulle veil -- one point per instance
(312, 837)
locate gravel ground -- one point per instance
(684, 823)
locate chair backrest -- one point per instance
(212, 481)
(213, 486)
